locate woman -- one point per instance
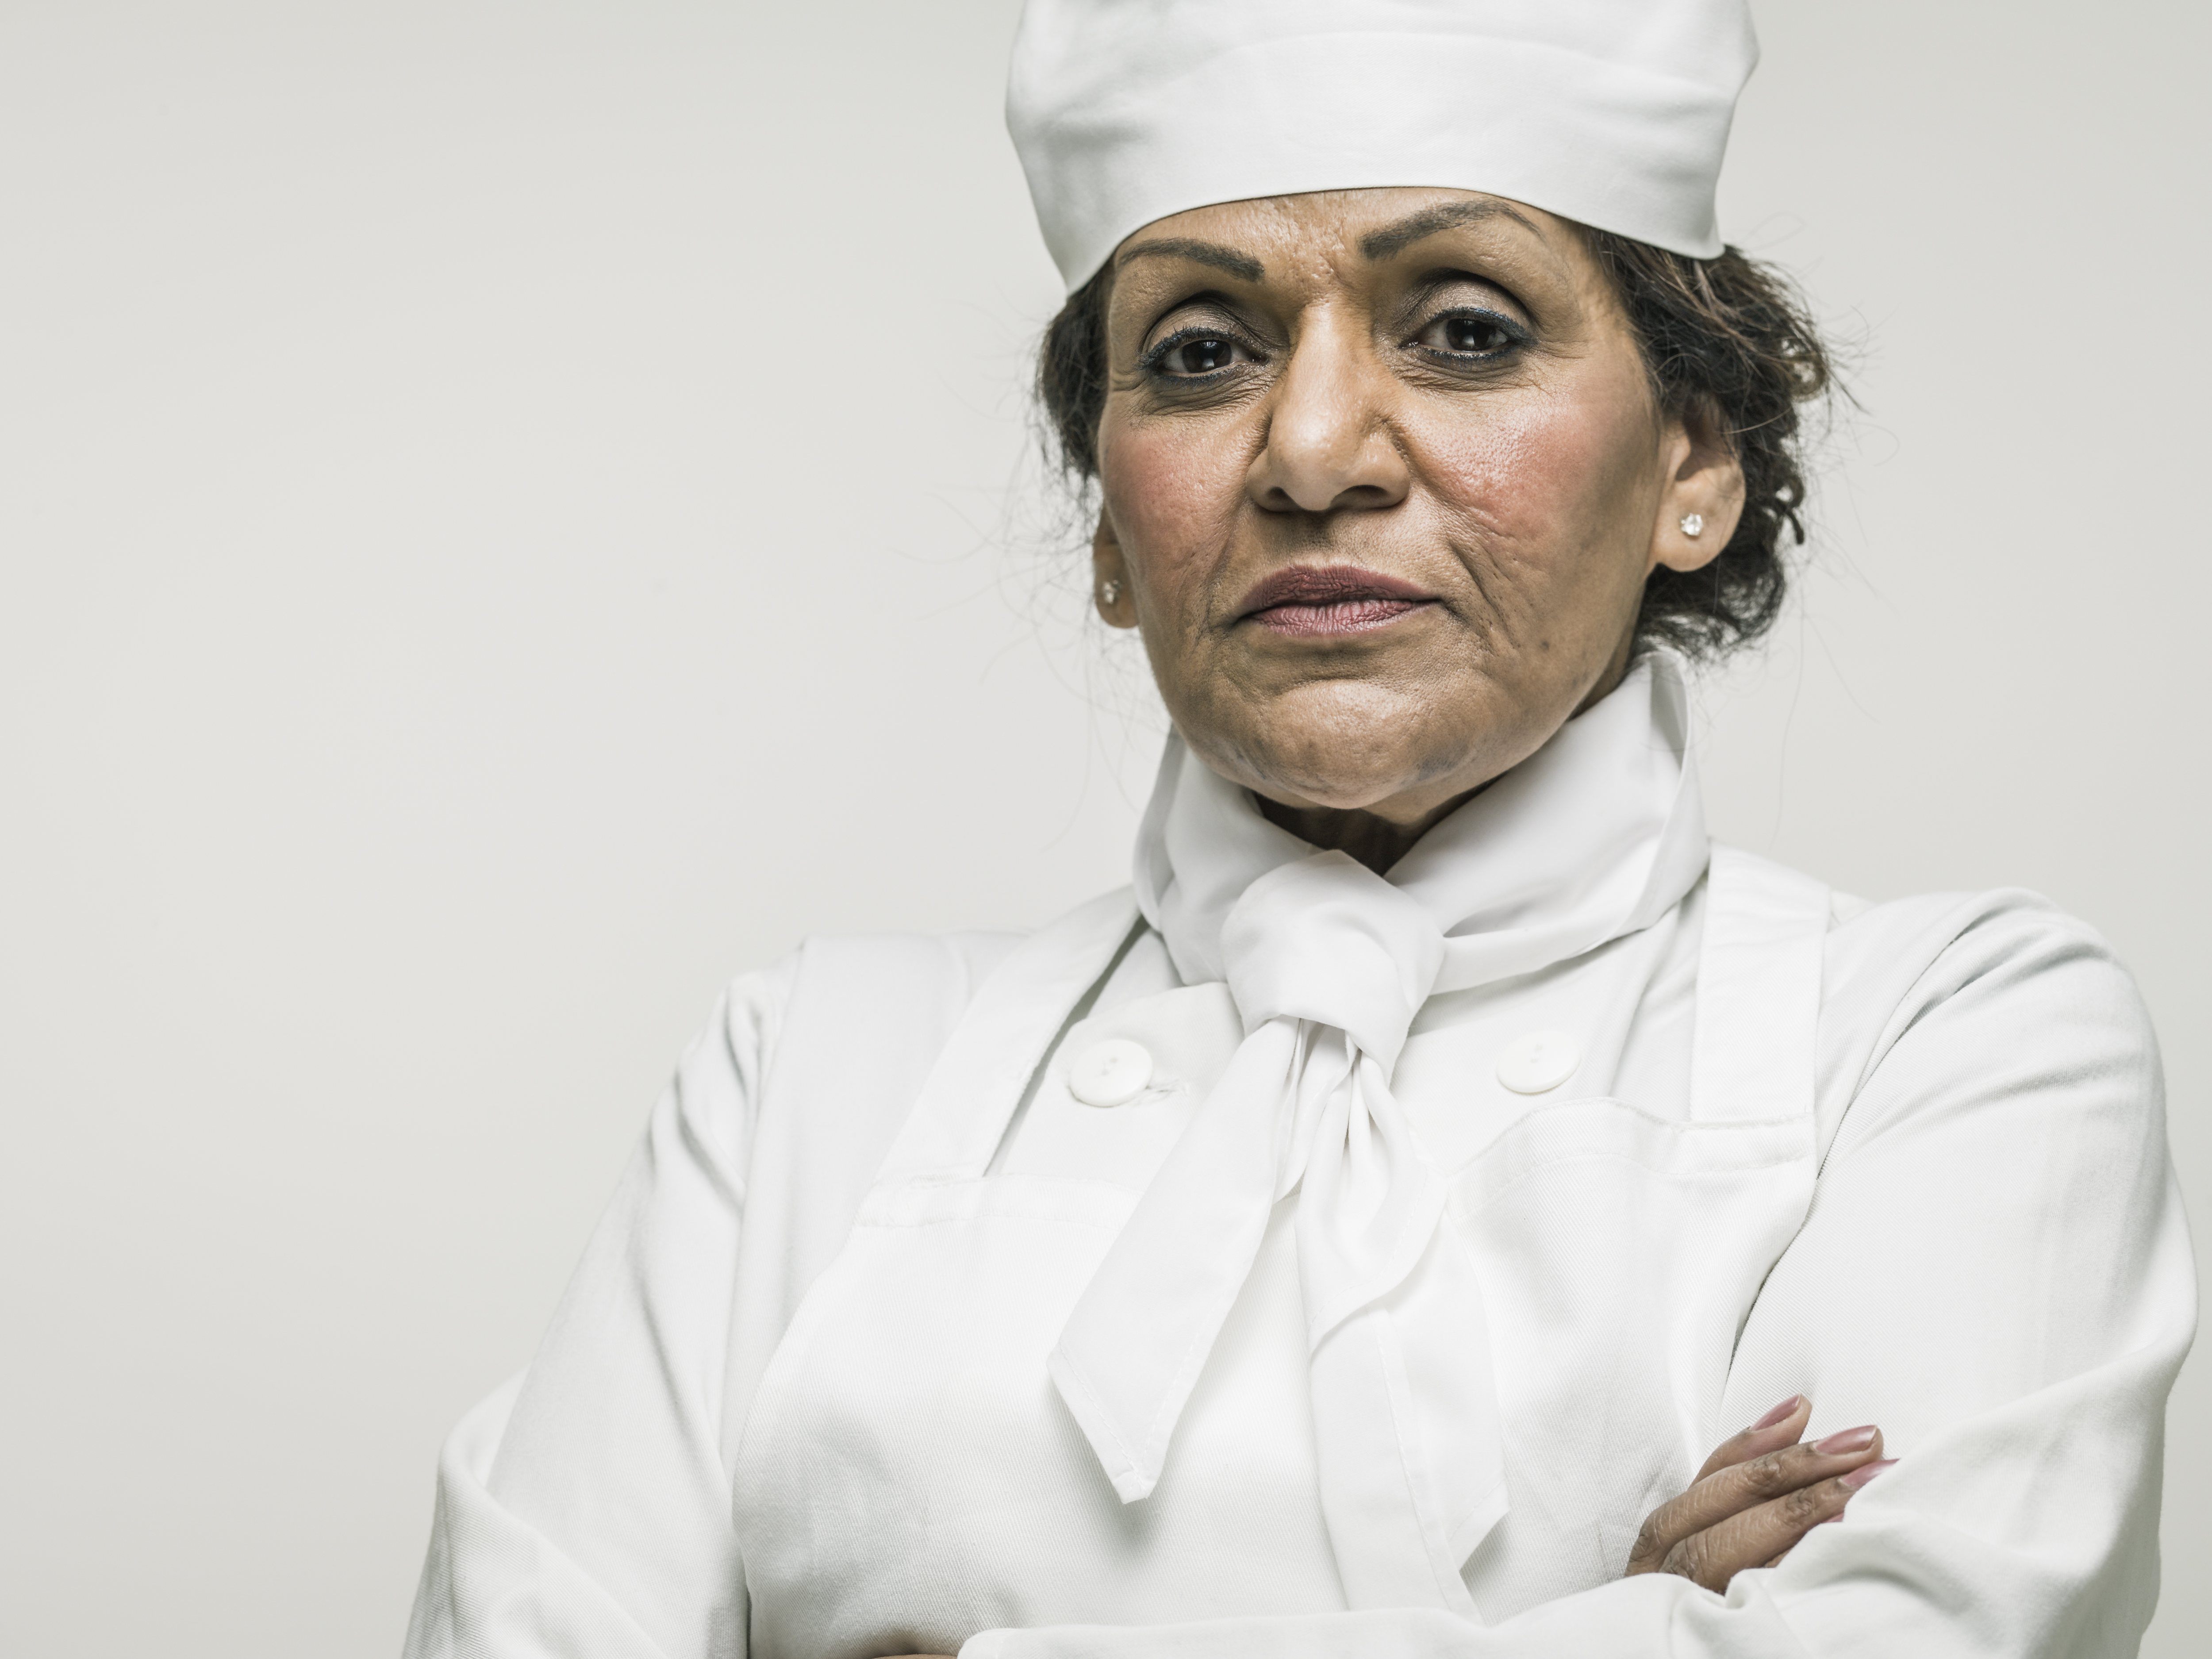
(1356, 1237)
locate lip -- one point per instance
(1310, 600)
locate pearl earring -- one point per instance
(1109, 591)
(1694, 525)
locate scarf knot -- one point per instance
(1327, 941)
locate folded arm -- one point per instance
(1995, 1269)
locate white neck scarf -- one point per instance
(1597, 835)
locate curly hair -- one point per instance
(1729, 340)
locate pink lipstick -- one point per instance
(1310, 600)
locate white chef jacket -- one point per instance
(1987, 1257)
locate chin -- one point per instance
(1343, 752)
(1348, 745)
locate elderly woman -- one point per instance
(1363, 1234)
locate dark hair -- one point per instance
(1728, 339)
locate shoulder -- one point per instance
(800, 1080)
(867, 999)
(879, 969)
(1999, 998)
(882, 989)
(2008, 948)
(865, 1015)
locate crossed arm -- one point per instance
(1761, 1490)
(1996, 1267)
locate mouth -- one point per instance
(1307, 601)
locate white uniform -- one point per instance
(1908, 1159)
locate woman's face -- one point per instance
(1384, 477)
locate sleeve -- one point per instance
(1996, 1269)
(583, 1509)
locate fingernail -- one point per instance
(1846, 1441)
(1859, 1477)
(1778, 1413)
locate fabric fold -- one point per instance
(1595, 836)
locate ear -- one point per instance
(1110, 575)
(1701, 485)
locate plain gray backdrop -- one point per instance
(511, 514)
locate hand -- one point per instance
(1756, 1496)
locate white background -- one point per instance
(505, 522)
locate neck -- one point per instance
(1373, 839)
(1379, 842)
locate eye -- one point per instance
(1190, 356)
(1469, 334)
(1202, 356)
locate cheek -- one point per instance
(1173, 495)
(1558, 482)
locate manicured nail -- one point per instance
(1859, 1477)
(1778, 1413)
(1843, 1442)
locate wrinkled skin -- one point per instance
(1435, 386)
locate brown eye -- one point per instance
(1202, 355)
(1465, 336)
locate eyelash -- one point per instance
(1152, 362)
(1156, 354)
(1516, 338)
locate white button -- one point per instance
(1110, 1073)
(1537, 1062)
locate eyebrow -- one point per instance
(1242, 265)
(1394, 240)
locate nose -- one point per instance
(1329, 443)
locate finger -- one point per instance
(1762, 1535)
(1742, 1487)
(1784, 1426)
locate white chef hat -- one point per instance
(1614, 113)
